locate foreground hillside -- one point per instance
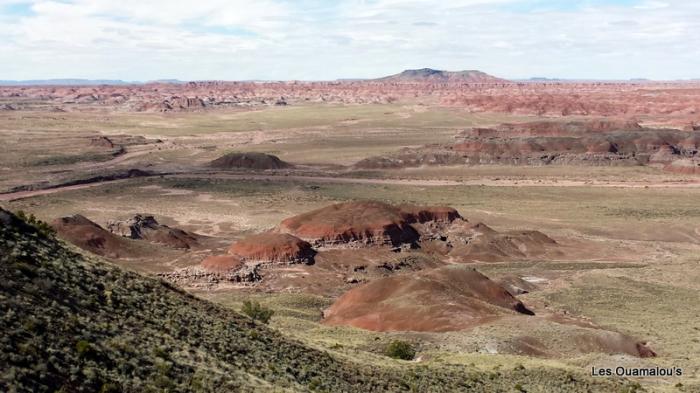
(76, 324)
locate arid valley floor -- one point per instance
(357, 211)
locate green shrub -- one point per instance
(400, 350)
(256, 311)
(84, 349)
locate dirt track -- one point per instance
(399, 182)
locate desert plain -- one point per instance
(494, 225)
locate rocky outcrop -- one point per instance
(214, 270)
(595, 142)
(146, 227)
(444, 299)
(249, 161)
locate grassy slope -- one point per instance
(75, 324)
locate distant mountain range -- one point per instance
(407, 76)
(79, 82)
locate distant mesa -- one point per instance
(439, 76)
(365, 223)
(249, 161)
(279, 248)
(445, 299)
(146, 227)
(89, 236)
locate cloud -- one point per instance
(317, 39)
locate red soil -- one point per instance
(473, 92)
(221, 263)
(273, 247)
(463, 241)
(486, 245)
(89, 236)
(445, 299)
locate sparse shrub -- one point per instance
(110, 388)
(256, 311)
(314, 384)
(84, 349)
(633, 387)
(43, 227)
(400, 350)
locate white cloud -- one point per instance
(315, 39)
(652, 5)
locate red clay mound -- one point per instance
(465, 242)
(274, 247)
(89, 236)
(147, 228)
(364, 222)
(445, 299)
(487, 245)
(249, 161)
(221, 263)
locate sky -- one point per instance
(140, 40)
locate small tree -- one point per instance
(256, 311)
(400, 350)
